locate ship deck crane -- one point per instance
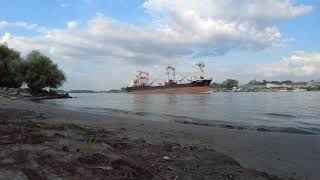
(201, 66)
(171, 73)
(142, 79)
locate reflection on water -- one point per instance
(290, 109)
(202, 101)
(140, 103)
(172, 102)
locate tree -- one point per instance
(287, 82)
(41, 72)
(230, 83)
(255, 82)
(215, 85)
(265, 82)
(11, 67)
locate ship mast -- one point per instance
(201, 66)
(171, 71)
(143, 78)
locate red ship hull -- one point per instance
(187, 90)
(195, 87)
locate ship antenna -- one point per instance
(143, 76)
(168, 74)
(173, 73)
(201, 66)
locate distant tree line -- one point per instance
(230, 83)
(36, 70)
(264, 82)
(227, 84)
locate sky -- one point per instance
(100, 44)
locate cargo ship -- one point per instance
(142, 84)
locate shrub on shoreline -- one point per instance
(11, 67)
(41, 72)
(37, 70)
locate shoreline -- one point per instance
(18, 93)
(282, 154)
(296, 125)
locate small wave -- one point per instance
(142, 113)
(310, 123)
(280, 115)
(212, 123)
(106, 110)
(288, 130)
(109, 111)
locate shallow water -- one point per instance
(294, 111)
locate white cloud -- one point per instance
(230, 10)
(3, 24)
(5, 38)
(180, 29)
(299, 64)
(72, 24)
(217, 26)
(23, 25)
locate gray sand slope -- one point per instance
(282, 154)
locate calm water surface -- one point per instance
(271, 109)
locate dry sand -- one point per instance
(195, 152)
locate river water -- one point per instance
(295, 112)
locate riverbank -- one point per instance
(18, 93)
(281, 154)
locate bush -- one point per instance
(230, 83)
(11, 67)
(41, 72)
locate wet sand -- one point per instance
(247, 152)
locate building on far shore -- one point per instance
(294, 85)
(313, 84)
(300, 85)
(279, 85)
(274, 86)
(252, 88)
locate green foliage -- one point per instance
(88, 147)
(264, 82)
(287, 82)
(230, 83)
(38, 71)
(215, 85)
(41, 72)
(255, 82)
(11, 67)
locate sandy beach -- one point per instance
(143, 149)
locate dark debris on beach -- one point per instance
(31, 148)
